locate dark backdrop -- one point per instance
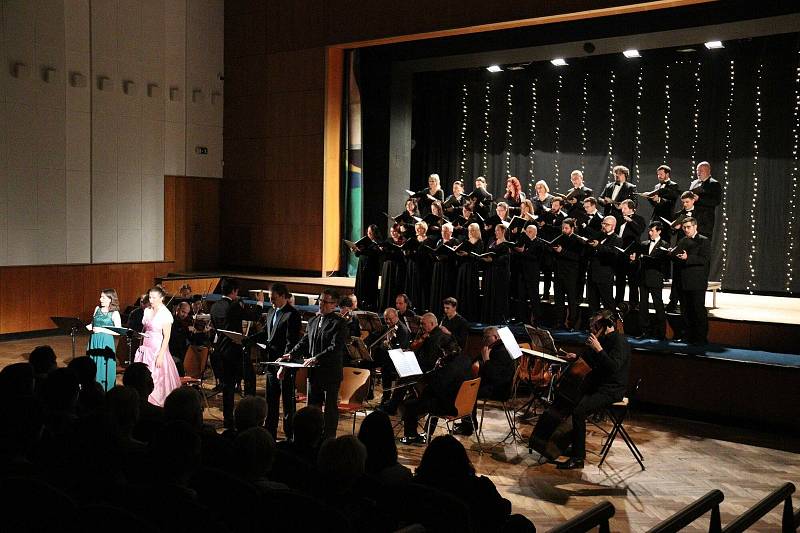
(668, 107)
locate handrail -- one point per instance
(772, 500)
(599, 515)
(693, 511)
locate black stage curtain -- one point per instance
(642, 112)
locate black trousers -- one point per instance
(278, 389)
(656, 327)
(529, 304)
(413, 409)
(627, 276)
(589, 404)
(600, 293)
(327, 394)
(566, 285)
(693, 309)
(236, 365)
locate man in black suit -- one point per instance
(663, 198)
(228, 314)
(575, 197)
(591, 227)
(609, 356)
(399, 338)
(431, 349)
(688, 200)
(617, 191)
(651, 259)
(453, 323)
(322, 349)
(568, 251)
(532, 253)
(280, 334)
(709, 193)
(630, 230)
(603, 266)
(692, 261)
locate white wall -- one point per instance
(82, 169)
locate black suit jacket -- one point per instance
(444, 382)
(458, 327)
(285, 334)
(576, 210)
(431, 351)
(611, 366)
(227, 314)
(652, 267)
(710, 196)
(603, 264)
(498, 372)
(326, 339)
(627, 192)
(591, 228)
(694, 270)
(633, 229)
(667, 195)
(704, 223)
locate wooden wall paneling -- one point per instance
(71, 291)
(15, 298)
(334, 89)
(47, 288)
(169, 218)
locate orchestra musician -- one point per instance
(609, 356)
(369, 266)
(709, 193)
(496, 279)
(651, 259)
(453, 204)
(433, 193)
(228, 314)
(179, 338)
(453, 323)
(322, 349)
(692, 257)
(567, 252)
(346, 312)
(442, 382)
(395, 336)
(467, 289)
(404, 308)
(393, 268)
(419, 265)
(603, 260)
(630, 228)
(427, 345)
(663, 198)
(616, 191)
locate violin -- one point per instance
(417, 343)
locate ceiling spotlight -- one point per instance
(559, 62)
(631, 53)
(713, 45)
(494, 68)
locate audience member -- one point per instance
(43, 361)
(151, 417)
(91, 395)
(122, 406)
(250, 412)
(254, 449)
(16, 381)
(377, 435)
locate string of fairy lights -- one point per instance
(667, 111)
(487, 100)
(751, 282)
(695, 117)
(557, 134)
(790, 229)
(462, 168)
(637, 142)
(509, 132)
(726, 170)
(611, 122)
(532, 146)
(584, 116)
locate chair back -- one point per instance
(467, 396)
(353, 388)
(194, 363)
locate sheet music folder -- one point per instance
(405, 363)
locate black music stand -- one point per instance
(106, 353)
(70, 325)
(129, 334)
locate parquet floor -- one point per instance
(684, 460)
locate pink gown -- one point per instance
(166, 378)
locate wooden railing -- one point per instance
(693, 511)
(599, 515)
(772, 500)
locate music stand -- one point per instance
(70, 325)
(129, 334)
(368, 321)
(106, 353)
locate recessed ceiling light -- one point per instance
(494, 68)
(713, 45)
(559, 62)
(631, 53)
(685, 50)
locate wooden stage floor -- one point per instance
(684, 460)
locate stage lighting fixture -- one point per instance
(494, 68)
(559, 62)
(631, 53)
(713, 45)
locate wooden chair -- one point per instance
(465, 402)
(353, 391)
(194, 365)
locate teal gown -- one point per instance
(106, 368)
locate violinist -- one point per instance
(451, 369)
(609, 356)
(395, 335)
(427, 345)
(346, 310)
(454, 324)
(179, 339)
(404, 308)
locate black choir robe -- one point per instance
(369, 266)
(393, 272)
(418, 271)
(467, 287)
(443, 276)
(496, 284)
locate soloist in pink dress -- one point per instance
(166, 378)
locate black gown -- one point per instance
(443, 277)
(393, 273)
(424, 203)
(496, 284)
(366, 288)
(467, 286)
(418, 272)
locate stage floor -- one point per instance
(730, 306)
(684, 461)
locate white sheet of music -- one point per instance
(509, 342)
(405, 363)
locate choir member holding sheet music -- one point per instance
(691, 258)
(106, 314)
(603, 253)
(467, 288)
(444, 267)
(651, 261)
(568, 249)
(393, 267)
(496, 278)
(542, 198)
(709, 193)
(501, 216)
(427, 196)
(480, 198)
(575, 197)
(531, 251)
(514, 195)
(368, 254)
(629, 229)
(616, 191)
(663, 198)
(453, 204)
(419, 265)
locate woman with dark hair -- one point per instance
(154, 351)
(102, 340)
(445, 466)
(377, 435)
(369, 265)
(393, 268)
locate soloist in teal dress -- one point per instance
(106, 368)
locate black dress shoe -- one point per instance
(414, 439)
(570, 464)
(463, 429)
